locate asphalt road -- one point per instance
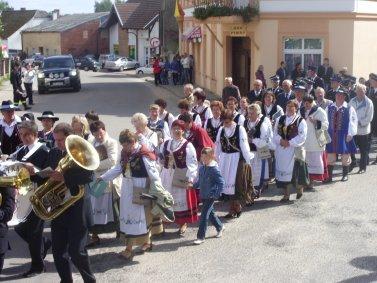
(327, 236)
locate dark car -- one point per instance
(58, 72)
(35, 60)
(86, 63)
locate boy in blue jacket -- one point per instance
(211, 185)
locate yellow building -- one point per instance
(306, 31)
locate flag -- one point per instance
(178, 12)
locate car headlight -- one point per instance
(41, 75)
(73, 73)
(51, 75)
(61, 75)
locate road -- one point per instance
(327, 236)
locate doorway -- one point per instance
(241, 61)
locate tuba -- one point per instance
(50, 199)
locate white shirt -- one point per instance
(8, 129)
(29, 76)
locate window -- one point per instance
(47, 52)
(146, 55)
(85, 34)
(307, 51)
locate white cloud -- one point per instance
(65, 6)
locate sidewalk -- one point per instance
(6, 90)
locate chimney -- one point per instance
(55, 14)
(22, 9)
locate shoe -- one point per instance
(361, 171)
(94, 241)
(146, 248)
(126, 255)
(299, 195)
(352, 166)
(345, 174)
(47, 246)
(198, 241)
(329, 179)
(374, 162)
(220, 233)
(32, 273)
(230, 216)
(182, 230)
(238, 214)
(285, 199)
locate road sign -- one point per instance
(154, 42)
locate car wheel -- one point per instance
(95, 70)
(137, 66)
(121, 69)
(86, 69)
(77, 87)
(140, 72)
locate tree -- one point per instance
(105, 5)
(4, 5)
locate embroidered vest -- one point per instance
(9, 144)
(136, 165)
(230, 144)
(237, 118)
(202, 114)
(179, 156)
(253, 133)
(272, 112)
(211, 130)
(291, 131)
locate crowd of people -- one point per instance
(229, 150)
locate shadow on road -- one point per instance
(368, 263)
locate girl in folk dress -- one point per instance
(316, 120)
(233, 153)
(138, 167)
(179, 172)
(213, 124)
(259, 132)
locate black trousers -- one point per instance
(362, 142)
(29, 92)
(4, 245)
(31, 231)
(157, 79)
(69, 238)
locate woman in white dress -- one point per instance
(289, 138)
(234, 156)
(200, 108)
(138, 167)
(105, 207)
(179, 171)
(259, 132)
(213, 124)
(146, 136)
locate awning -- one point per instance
(194, 34)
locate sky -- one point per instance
(65, 6)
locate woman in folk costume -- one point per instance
(234, 156)
(289, 137)
(213, 124)
(232, 105)
(80, 127)
(244, 105)
(180, 168)
(105, 205)
(138, 167)
(315, 144)
(259, 132)
(200, 108)
(269, 107)
(146, 136)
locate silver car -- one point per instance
(121, 64)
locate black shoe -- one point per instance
(47, 246)
(361, 171)
(32, 273)
(345, 174)
(352, 166)
(374, 162)
(230, 216)
(27, 107)
(329, 179)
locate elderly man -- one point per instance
(257, 93)
(364, 111)
(320, 99)
(230, 90)
(286, 95)
(188, 90)
(276, 89)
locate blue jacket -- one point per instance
(210, 182)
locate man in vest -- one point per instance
(9, 137)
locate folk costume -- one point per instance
(138, 170)
(259, 135)
(199, 139)
(342, 123)
(161, 128)
(195, 118)
(273, 112)
(239, 119)
(315, 143)
(105, 205)
(203, 111)
(233, 152)
(212, 127)
(180, 168)
(290, 161)
(167, 117)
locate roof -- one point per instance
(66, 22)
(136, 14)
(13, 20)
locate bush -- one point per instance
(247, 13)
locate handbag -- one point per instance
(323, 137)
(179, 178)
(263, 152)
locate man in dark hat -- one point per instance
(282, 72)
(16, 80)
(317, 81)
(309, 83)
(300, 91)
(28, 117)
(348, 84)
(276, 89)
(48, 120)
(9, 137)
(342, 128)
(335, 85)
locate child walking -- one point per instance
(211, 184)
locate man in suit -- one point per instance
(286, 95)
(317, 81)
(334, 87)
(257, 93)
(325, 71)
(69, 231)
(230, 90)
(282, 72)
(276, 89)
(33, 154)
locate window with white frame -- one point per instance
(307, 51)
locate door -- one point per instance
(40, 49)
(241, 61)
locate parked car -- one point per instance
(121, 64)
(103, 58)
(148, 70)
(58, 72)
(34, 60)
(85, 63)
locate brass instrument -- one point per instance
(49, 200)
(21, 181)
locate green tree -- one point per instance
(105, 5)
(4, 5)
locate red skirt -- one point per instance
(191, 214)
(325, 175)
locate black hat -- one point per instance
(275, 78)
(309, 81)
(312, 68)
(341, 91)
(8, 105)
(336, 78)
(48, 115)
(349, 80)
(373, 76)
(28, 117)
(299, 87)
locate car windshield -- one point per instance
(58, 63)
